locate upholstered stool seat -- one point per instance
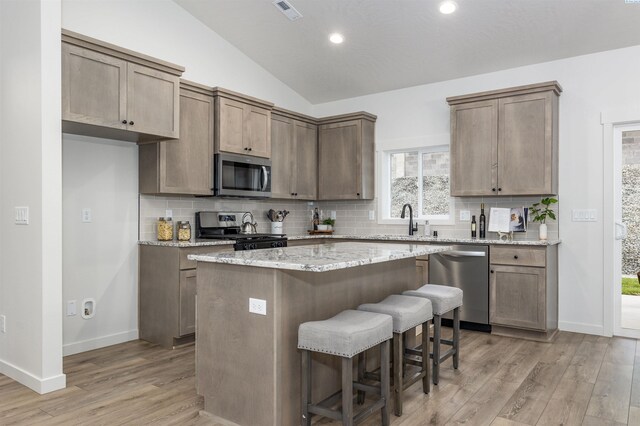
(443, 299)
(346, 335)
(407, 313)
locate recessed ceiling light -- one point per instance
(336, 38)
(447, 7)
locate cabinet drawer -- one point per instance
(191, 264)
(521, 256)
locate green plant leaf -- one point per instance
(551, 215)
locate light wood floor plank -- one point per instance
(577, 379)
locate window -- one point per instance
(419, 177)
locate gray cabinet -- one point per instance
(108, 91)
(422, 270)
(346, 157)
(294, 149)
(243, 124)
(524, 291)
(505, 142)
(185, 165)
(167, 293)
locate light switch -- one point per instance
(584, 215)
(86, 215)
(465, 215)
(22, 215)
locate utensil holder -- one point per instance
(276, 227)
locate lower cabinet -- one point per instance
(167, 293)
(422, 270)
(524, 291)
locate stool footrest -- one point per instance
(358, 418)
(366, 388)
(408, 381)
(446, 355)
(413, 351)
(325, 412)
(446, 342)
(411, 361)
(330, 400)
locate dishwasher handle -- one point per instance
(463, 253)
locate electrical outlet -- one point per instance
(3, 323)
(372, 215)
(168, 213)
(465, 215)
(333, 214)
(257, 306)
(71, 308)
(86, 215)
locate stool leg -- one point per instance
(436, 348)
(362, 370)
(426, 385)
(384, 381)
(398, 363)
(456, 337)
(306, 387)
(347, 391)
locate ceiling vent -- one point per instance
(287, 9)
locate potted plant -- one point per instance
(327, 224)
(541, 211)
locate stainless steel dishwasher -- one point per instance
(465, 266)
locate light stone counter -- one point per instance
(423, 239)
(192, 243)
(322, 257)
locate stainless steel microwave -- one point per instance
(241, 176)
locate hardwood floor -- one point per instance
(578, 379)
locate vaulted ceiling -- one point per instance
(393, 44)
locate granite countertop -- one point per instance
(400, 238)
(321, 257)
(421, 238)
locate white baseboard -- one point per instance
(578, 327)
(39, 385)
(99, 342)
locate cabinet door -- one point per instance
(282, 157)
(230, 126)
(186, 164)
(525, 144)
(474, 155)
(94, 88)
(339, 161)
(518, 297)
(306, 160)
(153, 100)
(422, 272)
(187, 302)
(257, 131)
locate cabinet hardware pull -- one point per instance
(124, 121)
(246, 149)
(493, 189)
(249, 149)
(515, 257)
(499, 189)
(131, 123)
(358, 194)
(492, 271)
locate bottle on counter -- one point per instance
(427, 228)
(483, 222)
(473, 226)
(316, 219)
(184, 231)
(164, 229)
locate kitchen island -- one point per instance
(248, 365)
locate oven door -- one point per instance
(242, 176)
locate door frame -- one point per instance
(614, 123)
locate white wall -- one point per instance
(100, 258)
(164, 30)
(30, 167)
(592, 84)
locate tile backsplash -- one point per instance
(352, 217)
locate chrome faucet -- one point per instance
(411, 228)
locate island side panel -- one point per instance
(235, 349)
(307, 296)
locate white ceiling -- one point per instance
(392, 44)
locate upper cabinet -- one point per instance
(294, 155)
(185, 165)
(111, 92)
(346, 157)
(243, 124)
(505, 142)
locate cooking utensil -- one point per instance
(248, 227)
(271, 214)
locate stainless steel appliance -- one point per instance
(227, 226)
(242, 176)
(465, 266)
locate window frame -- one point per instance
(384, 200)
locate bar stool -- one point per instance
(443, 299)
(407, 313)
(346, 335)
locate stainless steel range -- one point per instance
(227, 225)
